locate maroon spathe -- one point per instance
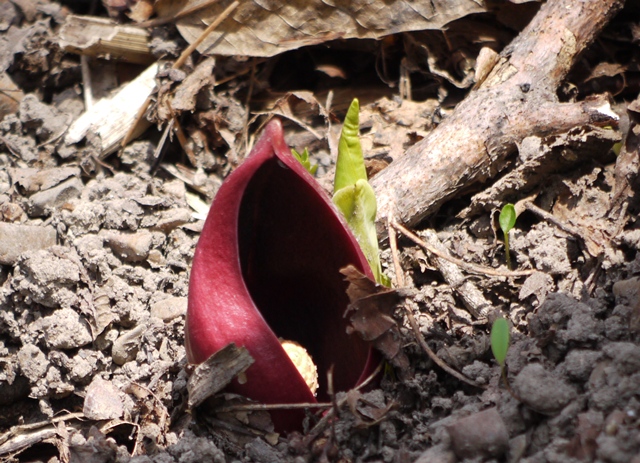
(267, 267)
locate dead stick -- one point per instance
(191, 48)
(465, 265)
(517, 99)
(412, 320)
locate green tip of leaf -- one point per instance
(507, 218)
(303, 158)
(350, 163)
(500, 339)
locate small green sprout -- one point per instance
(507, 221)
(500, 338)
(303, 158)
(353, 195)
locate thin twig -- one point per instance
(412, 320)
(466, 265)
(326, 419)
(295, 406)
(558, 223)
(191, 48)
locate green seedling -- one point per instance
(500, 338)
(507, 221)
(353, 195)
(303, 158)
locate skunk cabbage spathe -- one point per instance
(267, 266)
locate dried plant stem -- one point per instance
(393, 244)
(191, 48)
(296, 406)
(465, 265)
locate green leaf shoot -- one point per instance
(500, 340)
(350, 163)
(353, 195)
(303, 158)
(507, 221)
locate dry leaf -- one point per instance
(371, 315)
(269, 27)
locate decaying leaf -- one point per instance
(371, 315)
(368, 409)
(267, 28)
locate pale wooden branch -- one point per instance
(517, 99)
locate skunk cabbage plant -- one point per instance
(267, 266)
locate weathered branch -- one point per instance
(516, 100)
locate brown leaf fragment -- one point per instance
(186, 94)
(216, 373)
(368, 409)
(371, 315)
(268, 28)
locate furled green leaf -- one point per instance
(358, 205)
(507, 218)
(303, 158)
(350, 163)
(500, 339)
(353, 195)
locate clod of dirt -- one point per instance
(542, 390)
(64, 329)
(133, 247)
(482, 434)
(33, 363)
(45, 120)
(15, 239)
(48, 277)
(571, 321)
(437, 454)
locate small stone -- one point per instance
(168, 309)
(65, 329)
(542, 390)
(44, 200)
(130, 247)
(16, 239)
(172, 219)
(126, 346)
(102, 401)
(482, 434)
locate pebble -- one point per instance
(126, 346)
(130, 247)
(102, 401)
(41, 202)
(16, 239)
(168, 309)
